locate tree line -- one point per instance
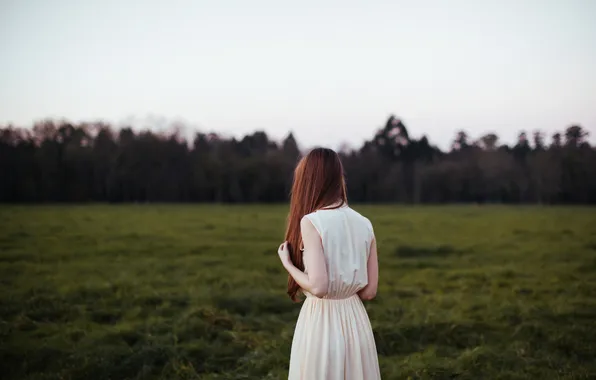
(57, 161)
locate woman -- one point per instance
(331, 257)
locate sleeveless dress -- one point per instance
(333, 339)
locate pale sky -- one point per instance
(330, 71)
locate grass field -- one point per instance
(197, 292)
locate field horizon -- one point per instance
(196, 291)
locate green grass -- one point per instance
(197, 292)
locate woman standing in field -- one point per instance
(331, 257)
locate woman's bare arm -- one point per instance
(316, 281)
(370, 290)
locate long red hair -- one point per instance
(318, 183)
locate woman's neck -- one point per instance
(336, 204)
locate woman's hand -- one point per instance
(284, 254)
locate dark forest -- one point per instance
(56, 161)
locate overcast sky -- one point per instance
(330, 71)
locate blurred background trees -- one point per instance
(62, 162)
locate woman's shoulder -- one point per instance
(357, 214)
(363, 219)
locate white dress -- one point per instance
(333, 339)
